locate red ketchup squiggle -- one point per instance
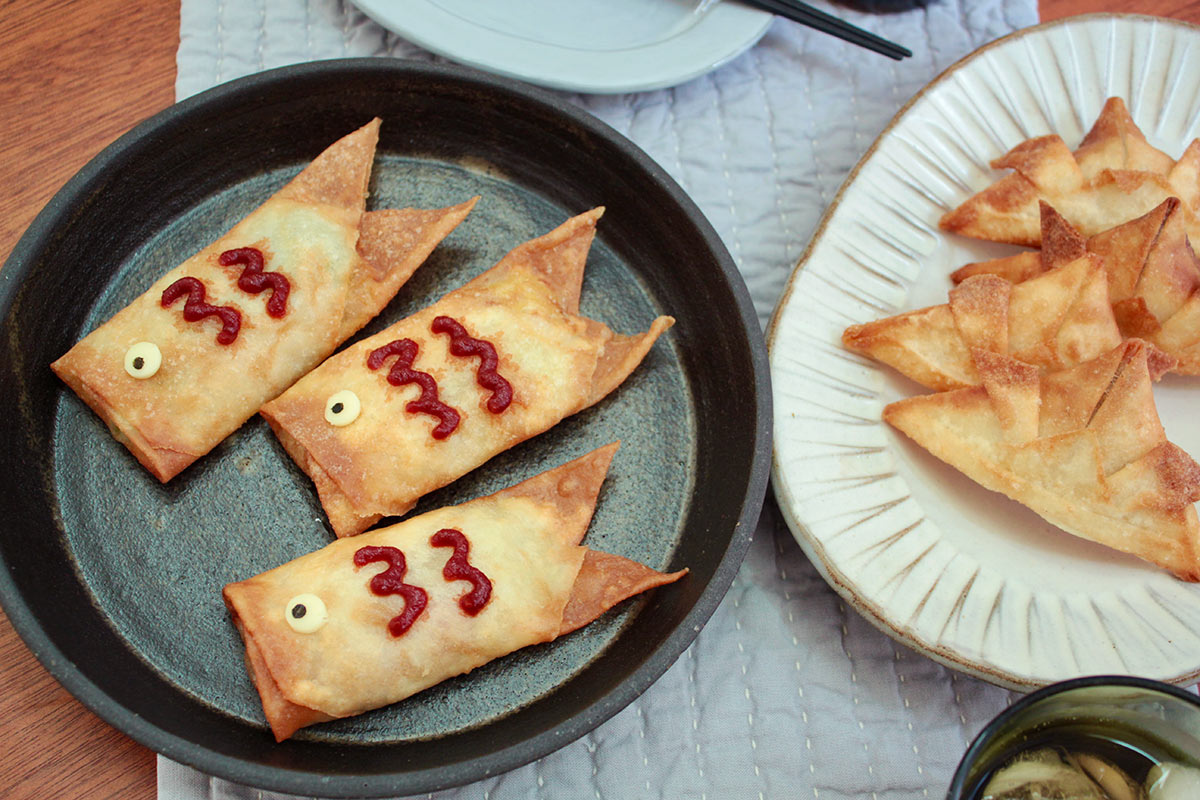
(195, 309)
(254, 280)
(459, 569)
(391, 581)
(401, 373)
(463, 344)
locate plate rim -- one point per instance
(391, 17)
(508, 757)
(809, 543)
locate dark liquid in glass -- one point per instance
(1132, 753)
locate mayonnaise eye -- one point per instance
(143, 359)
(342, 408)
(306, 613)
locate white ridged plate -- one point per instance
(963, 574)
(600, 46)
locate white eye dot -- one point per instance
(342, 408)
(143, 359)
(305, 613)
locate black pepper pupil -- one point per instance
(337, 408)
(299, 610)
(139, 362)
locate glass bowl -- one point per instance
(1147, 729)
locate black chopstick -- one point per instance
(826, 23)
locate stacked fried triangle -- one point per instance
(1114, 176)
(1044, 361)
(1153, 275)
(1082, 446)
(1058, 319)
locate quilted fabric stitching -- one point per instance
(780, 109)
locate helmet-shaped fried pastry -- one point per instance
(1153, 275)
(1058, 319)
(1114, 176)
(1083, 447)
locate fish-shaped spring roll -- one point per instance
(188, 361)
(366, 622)
(435, 395)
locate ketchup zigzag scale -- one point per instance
(401, 373)
(391, 581)
(254, 280)
(458, 568)
(487, 376)
(195, 309)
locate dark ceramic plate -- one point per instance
(114, 580)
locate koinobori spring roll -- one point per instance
(366, 622)
(188, 361)
(435, 395)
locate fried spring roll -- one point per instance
(188, 361)
(369, 621)
(435, 395)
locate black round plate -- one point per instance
(113, 580)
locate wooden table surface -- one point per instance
(78, 73)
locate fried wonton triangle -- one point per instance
(1114, 176)
(240, 321)
(1152, 272)
(352, 655)
(1061, 244)
(1060, 318)
(431, 412)
(1083, 447)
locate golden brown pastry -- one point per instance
(1114, 176)
(369, 621)
(1058, 319)
(1153, 275)
(196, 355)
(435, 395)
(1060, 244)
(1083, 447)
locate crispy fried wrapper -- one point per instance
(555, 361)
(342, 266)
(1114, 176)
(524, 539)
(1083, 447)
(1058, 319)
(1152, 272)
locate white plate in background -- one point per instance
(599, 46)
(960, 573)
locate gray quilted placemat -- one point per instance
(787, 692)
